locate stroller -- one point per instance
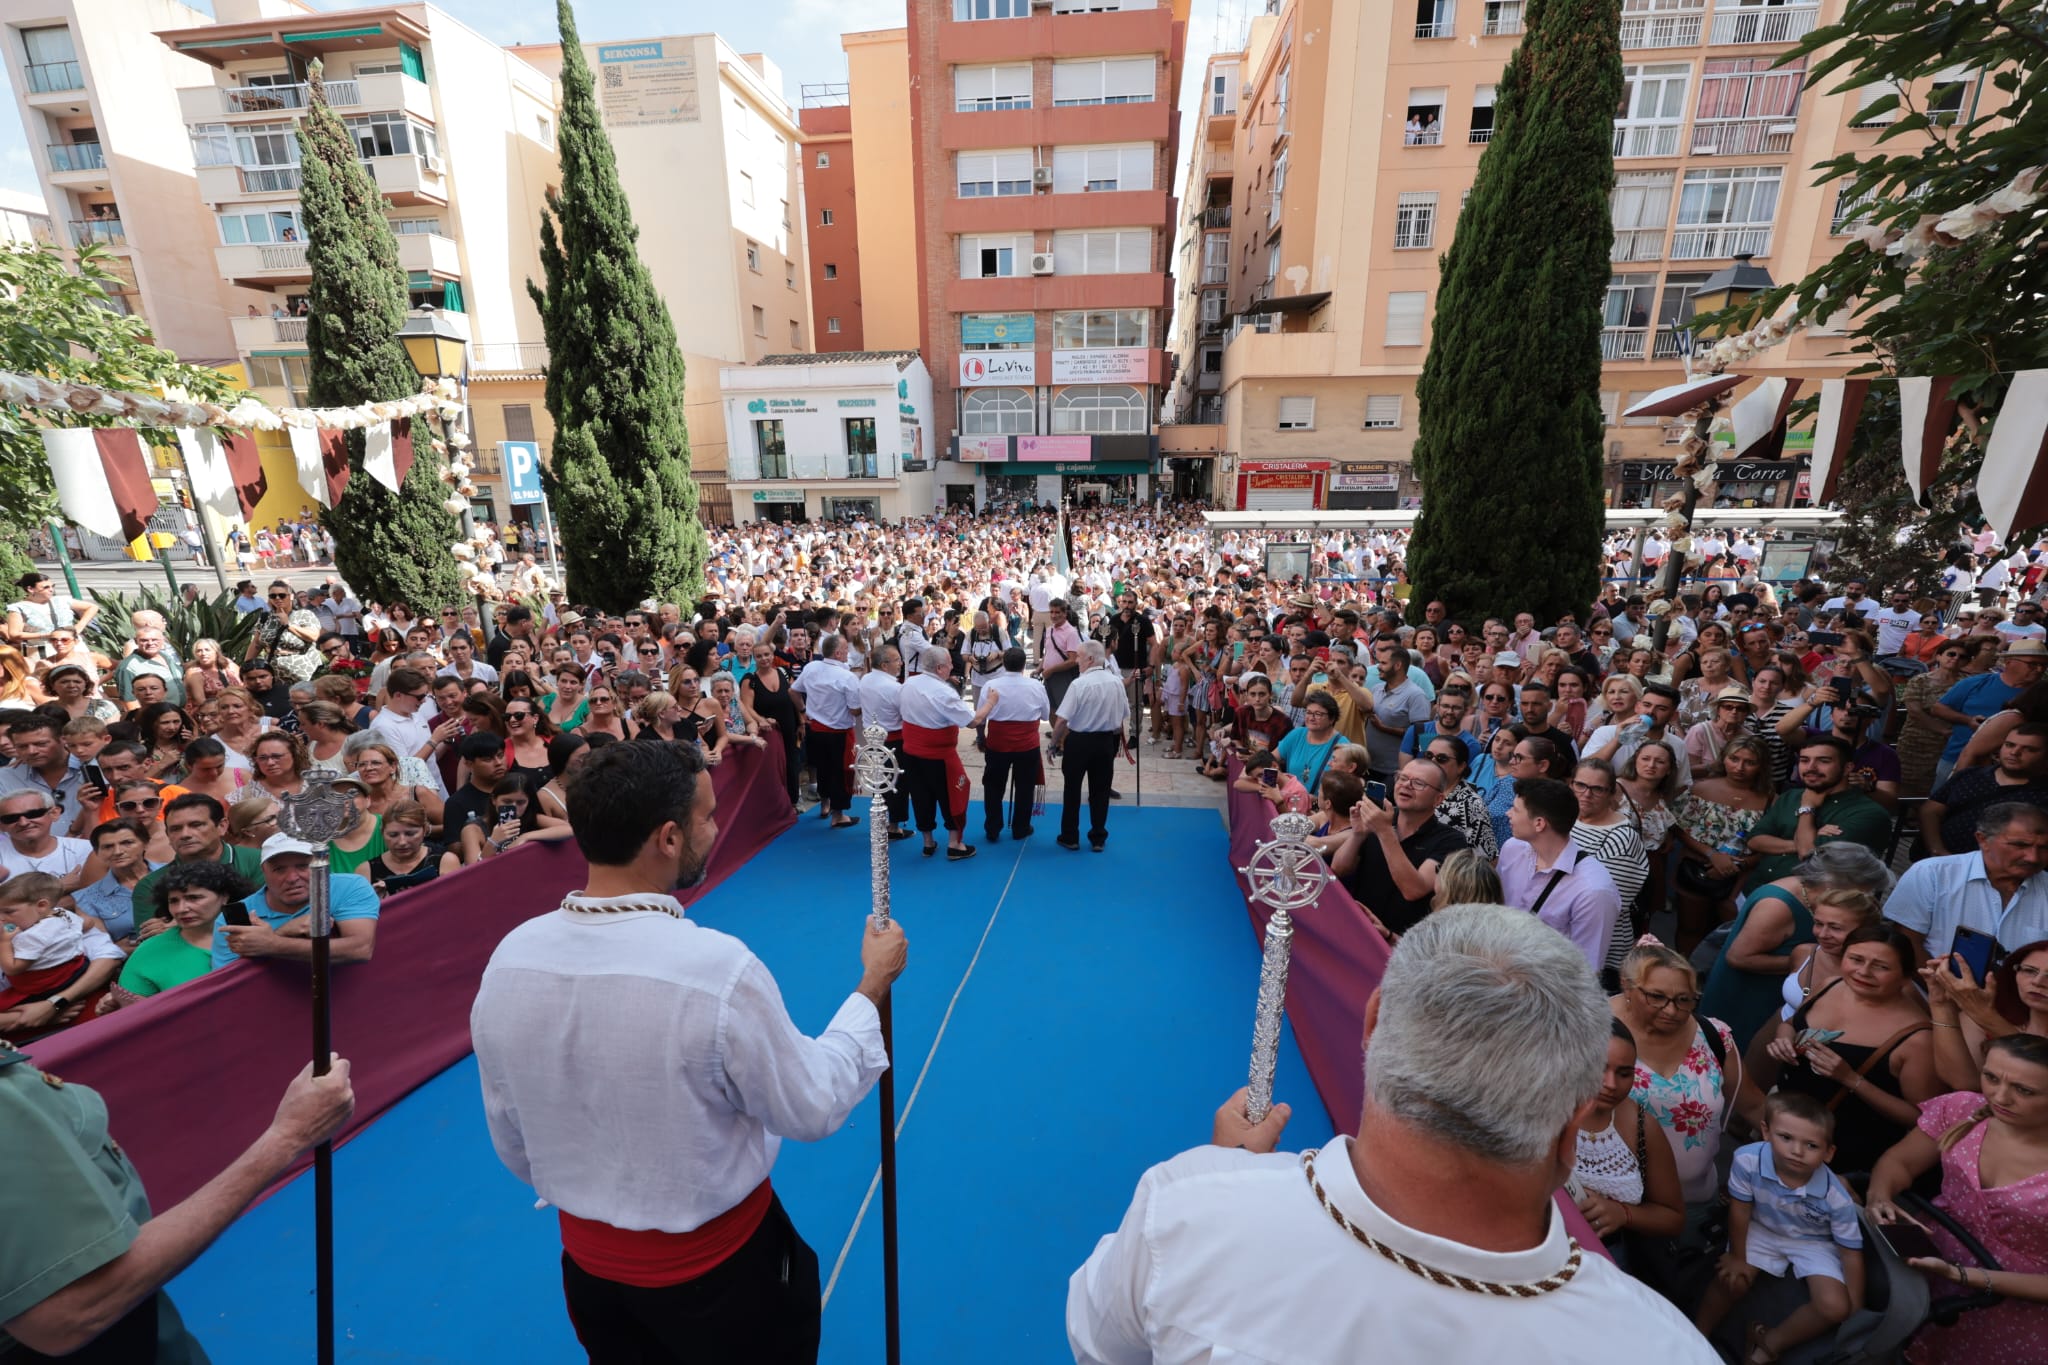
(1897, 1301)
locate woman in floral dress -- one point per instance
(1926, 734)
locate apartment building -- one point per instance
(25, 219)
(884, 234)
(1043, 145)
(1309, 247)
(707, 153)
(827, 164)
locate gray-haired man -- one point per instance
(1088, 725)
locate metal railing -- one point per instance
(1670, 343)
(76, 156)
(1623, 343)
(288, 329)
(1712, 243)
(509, 356)
(1217, 217)
(1647, 139)
(796, 465)
(98, 232)
(1503, 25)
(48, 77)
(282, 256)
(261, 99)
(270, 179)
(1434, 30)
(1424, 137)
(1480, 135)
(1742, 136)
(1660, 30)
(1765, 24)
(1638, 244)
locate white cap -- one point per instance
(284, 843)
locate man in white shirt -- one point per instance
(1303, 1257)
(881, 704)
(1088, 727)
(1895, 621)
(2025, 623)
(341, 614)
(932, 716)
(463, 663)
(831, 697)
(1851, 598)
(655, 1146)
(1013, 706)
(412, 725)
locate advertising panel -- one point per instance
(984, 449)
(644, 83)
(980, 369)
(1053, 448)
(1121, 366)
(998, 329)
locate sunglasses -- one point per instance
(280, 597)
(519, 715)
(138, 807)
(17, 817)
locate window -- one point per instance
(1415, 221)
(1726, 210)
(746, 189)
(987, 258)
(860, 446)
(1425, 126)
(1105, 80)
(379, 69)
(1503, 17)
(1276, 196)
(390, 135)
(291, 373)
(1099, 328)
(1281, 84)
(769, 448)
(760, 321)
(789, 274)
(1849, 209)
(1482, 114)
(1212, 360)
(1636, 396)
(1746, 106)
(1674, 312)
(544, 131)
(824, 218)
(1124, 167)
(1404, 317)
(740, 120)
(785, 214)
(267, 144)
(1116, 251)
(1223, 91)
(832, 325)
(824, 160)
(965, 10)
(1652, 108)
(1297, 414)
(212, 145)
(978, 89)
(984, 174)
(796, 335)
(1641, 206)
(1383, 412)
(1946, 97)
(1099, 6)
(261, 226)
(997, 331)
(1610, 407)
(1436, 18)
(754, 257)
(1098, 408)
(415, 227)
(996, 412)
(831, 271)
(52, 60)
(1868, 98)
(518, 419)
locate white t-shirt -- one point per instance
(1893, 627)
(66, 858)
(51, 941)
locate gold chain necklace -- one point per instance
(574, 902)
(1528, 1289)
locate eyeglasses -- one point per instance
(1598, 633)
(138, 807)
(1412, 782)
(1588, 788)
(16, 817)
(1658, 1001)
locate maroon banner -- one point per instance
(334, 464)
(401, 448)
(192, 1077)
(1334, 967)
(245, 467)
(127, 472)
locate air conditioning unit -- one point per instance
(1041, 177)
(433, 162)
(1041, 263)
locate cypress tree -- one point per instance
(1508, 443)
(620, 478)
(391, 547)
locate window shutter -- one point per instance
(1069, 170)
(1383, 411)
(1482, 97)
(1610, 406)
(1076, 81)
(973, 83)
(1070, 252)
(1297, 414)
(1011, 82)
(518, 421)
(1404, 317)
(1129, 78)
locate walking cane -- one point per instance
(874, 768)
(317, 815)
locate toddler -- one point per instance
(1788, 1211)
(84, 738)
(42, 945)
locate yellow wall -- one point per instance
(878, 77)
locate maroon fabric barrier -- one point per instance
(192, 1077)
(1333, 969)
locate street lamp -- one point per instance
(439, 349)
(1719, 294)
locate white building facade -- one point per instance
(831, 437)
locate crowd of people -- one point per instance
(1703, 797)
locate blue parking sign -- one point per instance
(522, 471)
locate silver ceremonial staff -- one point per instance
(874, 769)
(1286, 875)
(320, 813)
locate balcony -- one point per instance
(1432, 136)
(383, 91)
(1646, 139)
(1763, 24)
(1714, 243)
(1445, 29)
(1660, 30)
(1623, 343)
(407, 179)
(53, 78)
(1742, 136)
(266, 333)
(1214, 218)
(1480, 135)
(1638, 244)
(751, 467)
(1670, 344)
(509, 357)
(68, 158)
(98, 232)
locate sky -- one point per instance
(800, 36)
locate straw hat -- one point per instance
(1735, 694)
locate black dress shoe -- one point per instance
(960, 854)
(930, 850)
(1115, 795)
(991, 836)
(1064, 842)
(896, 834)
(1095, 846)
(1024, 833)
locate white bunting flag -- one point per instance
(83, 492)
(378, 462)
(306, 456)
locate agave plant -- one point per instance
(114, 627)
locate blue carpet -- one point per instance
(1107, 1015)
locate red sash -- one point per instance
(25, 988)
(942, 745)
(1016, 737)
(652, 1259)
(817, 728)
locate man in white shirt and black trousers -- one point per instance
(881, 704)
(831, 698)
(641, 1072)
(1088, 725)
(1013, 705)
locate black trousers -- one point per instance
(827, 756)
(899, 795)
(1014, 774)
(759, 1306)
(930, 801)
(1090, 754)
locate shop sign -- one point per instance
(1282, 480)
(1250, 466)
(642, 83)
(998, 329)
(1124, 365)
(856, 402)
(778, 495)
(1095, 469)
(980, 369)
(984, 449)
(1047, 448)
(913, 448)
(780, 407)
(1730, 471)
(1385, 481)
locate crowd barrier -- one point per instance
(1334, 967)
(193, 1076)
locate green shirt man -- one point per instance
(196, 825)
(1828, 808)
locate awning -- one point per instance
(1286, 303)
